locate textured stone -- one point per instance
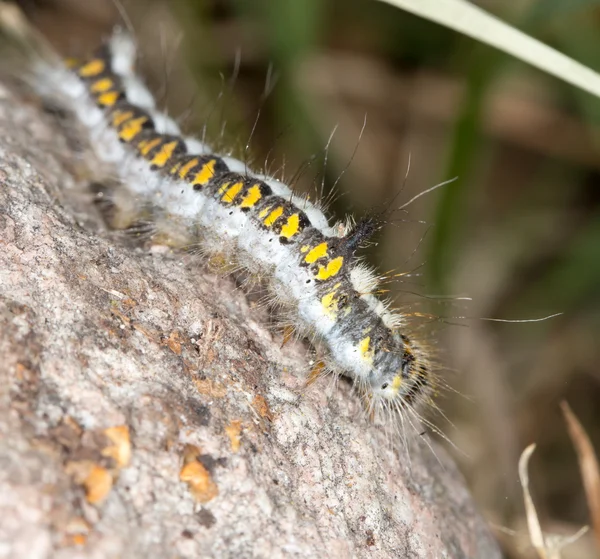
(147, 411)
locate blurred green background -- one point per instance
(518, 232)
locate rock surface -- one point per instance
(147, 411)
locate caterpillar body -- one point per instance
(195, 197)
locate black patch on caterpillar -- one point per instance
(419, 383)
(264, 188)
(356, 237)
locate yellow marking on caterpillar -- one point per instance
(92, 68)
(252, 198)
(175, 168)
(332, 268)
(396, 383)
(364, 344)
(318, 252)
(204, 175)
(132, 128)
(164, 154)
(364, 348)
(223, 188)
(102, 85)
(146, 146)
(232, 192)
(305, 248)
(264, 212)
(273, 216)
(329, 301)
(291, 226)
(109, 98)
(186, 168)
(119, 117)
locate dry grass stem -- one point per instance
(535, 530)
(550, 546)
(588, 465)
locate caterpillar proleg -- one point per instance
(253, 222)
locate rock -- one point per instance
(147, 411)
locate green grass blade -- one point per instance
(472, 21)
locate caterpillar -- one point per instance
(248, 221)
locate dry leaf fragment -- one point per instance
(210, 388)
(173, 342)
(76, 532)
(315, 373)
(200, 482)
(234, 432)
(198, 478)
(288, 333)
(98, 484)
(120, 451)
(262, 408)
(96, 479)
(588, 465)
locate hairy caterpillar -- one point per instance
(249, 221)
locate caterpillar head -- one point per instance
(401, 376)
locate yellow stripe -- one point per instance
(232, 192)
(119, 117)
(363, 347)
(291, 226)
(264, 212)
(164, 154)
(146, 146)
(329, 303)
(397, 383)
(173, 170)
(92, 68)
(318, 252)
(109, 98)
(206, 173)
(273, 216)
(187, 167)
(223, 188)
(332, 268)
(253, 196)
(328, 300)
(101, 85)
(132, 128)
